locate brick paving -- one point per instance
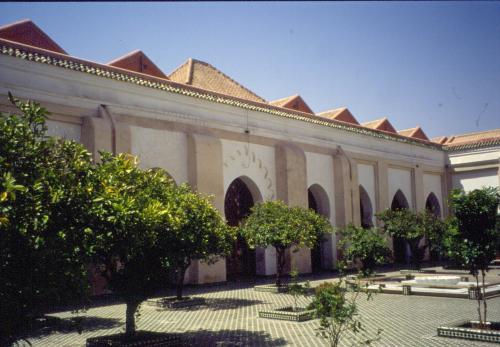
(230, 318)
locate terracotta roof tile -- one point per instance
(294, 102)
(416, 133)
(203, 75)
(473, 137)
(439, 139)
(29, 33)
(340, 114)
(380, 124)
(139, 62)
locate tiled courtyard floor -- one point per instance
(230, 318)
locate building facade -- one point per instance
(208, 130)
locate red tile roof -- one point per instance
(203, 75)
(340, 114)
(29, 33)
(294, 102)
(439, 139)
(139, 62)
(416, 133)
(382, 124)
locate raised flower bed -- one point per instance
(467, 330)
(173, 303)
(141, 338)
(297, 314)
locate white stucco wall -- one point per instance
(65, 130)
(253, 161)
(432, 184)
(470, 180)
(320, 172)
(366, 178)
(161, 148)
(400, 179)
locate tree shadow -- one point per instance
(231, 338)
(217, 304)
(49, 325)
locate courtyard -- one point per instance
(230, 318)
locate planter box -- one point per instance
(173, 303)
(142, 338)
(271, 288)
(287, 313)
(464, 331)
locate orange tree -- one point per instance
(127, 211)
(275, 224)
(45, 239)
(193, 230)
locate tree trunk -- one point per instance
(130, 317)
(280, 252)
(481, 323)
(485, 305)
(181, 271)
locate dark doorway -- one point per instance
(432, 205)
(400, 245)
(237, 205)
(365, 208)
(318, 202)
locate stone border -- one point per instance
(150, 339)
(469, 333)
(282, 314)
(171, 302)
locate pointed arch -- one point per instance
(320, 203)
(365, 208)
(432, 205)
(399, 201)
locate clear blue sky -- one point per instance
(432, 64)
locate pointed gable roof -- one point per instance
(139, 62)
(294, 102)
(29, 33)
(416, 133)
(203, 75)
(380, 124)
(340, 114)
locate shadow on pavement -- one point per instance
(230, 338)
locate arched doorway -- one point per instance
(401, 247)
(318, 202)
(365, 208)
(432, 205)
(241, 195)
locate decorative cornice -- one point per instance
(42, 56)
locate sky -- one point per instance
(432, 64)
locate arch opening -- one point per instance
(365, 208)
(241, 196)
(401, 247)
(432, 205)
(318, 202)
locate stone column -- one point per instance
(382, 193)
(96, 136)
(205, 165)
(418, 188)
(291, 187)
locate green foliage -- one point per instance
(193, 229)
(420, 230)
(275, 224)
(368, 246)
(128, 208)
(473, 234)
(45, 239)
(338, 313)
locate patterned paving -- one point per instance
(230, 318)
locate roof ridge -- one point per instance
(473, 133)
(226, 76)
(126, 55)
(338, 109)
(179, 67)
